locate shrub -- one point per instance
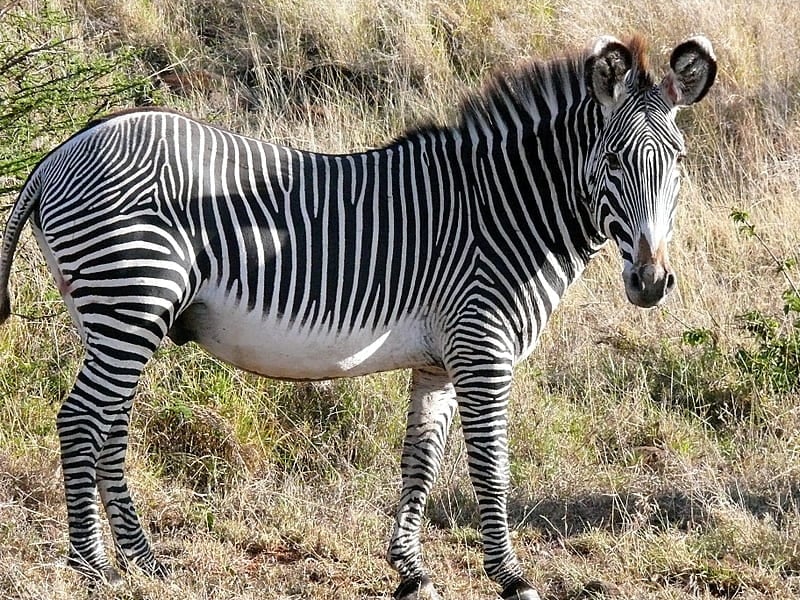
(49, 86)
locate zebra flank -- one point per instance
(445, 252)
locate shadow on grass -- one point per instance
(715, 570)
(559, 518)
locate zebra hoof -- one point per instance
(416, 588)
(520, 590)
(148, 566)
(106, 576)
(157, 569)
(111, 577)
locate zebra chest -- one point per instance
(275, 347)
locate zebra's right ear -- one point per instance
(608, 62)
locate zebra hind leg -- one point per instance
(429, 417)
(83, 424)
(92, 428)
(132, 547)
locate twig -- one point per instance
(39, 318)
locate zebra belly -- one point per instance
(274, 348)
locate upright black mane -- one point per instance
(531, 83)
(522, 86)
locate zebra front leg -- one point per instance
(429, 417)
(483, 407)
(131, 544)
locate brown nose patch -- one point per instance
(645, 255)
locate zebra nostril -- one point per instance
(671, 281)
(636, 281)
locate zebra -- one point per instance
(445, 252)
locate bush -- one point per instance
(770, 360)
(49, 87)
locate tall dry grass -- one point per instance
(636, 460)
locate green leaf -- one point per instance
(698, 337)
(791, 302)
(740, 217)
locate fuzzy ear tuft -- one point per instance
(693, 68)
(606, 66)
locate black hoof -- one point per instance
(106, 578)
(111, 577)
(416, 588)
(150, 566)
(521, 590)
(157, 569)
(107, 575)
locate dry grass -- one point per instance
(637, 461)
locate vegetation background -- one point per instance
(654, 453)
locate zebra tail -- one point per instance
(27, 200)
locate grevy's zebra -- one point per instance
(445, 251)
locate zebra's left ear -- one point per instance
(693, 68)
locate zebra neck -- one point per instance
(534, 228)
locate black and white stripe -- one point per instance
(445, 252)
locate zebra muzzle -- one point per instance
(650, 278)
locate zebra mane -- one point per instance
(528, 85)
(641, 65)
(124, 111)
(520, 87)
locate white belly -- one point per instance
(275, 348)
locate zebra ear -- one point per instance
(693, 68)
(608, 62)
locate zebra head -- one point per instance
(633, 168)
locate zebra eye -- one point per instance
(613, 161)
(680, 157)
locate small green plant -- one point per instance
(772, 360)
(699, 336)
